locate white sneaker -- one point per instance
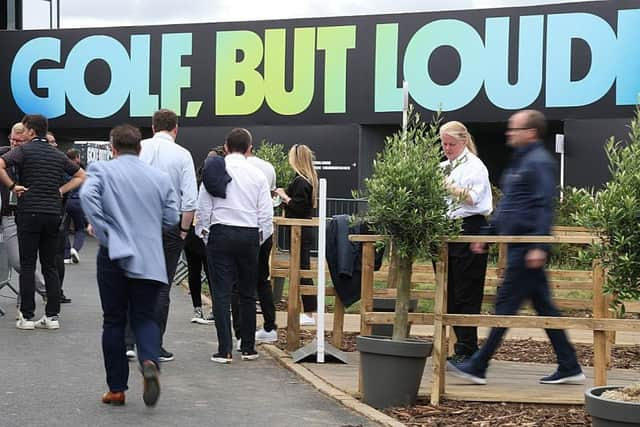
(264, 336)
(48, 323)
(306, 320)
(24, 324)
(68, 261)
(199, 317)
(75, 257)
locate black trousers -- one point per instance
(265, 292)
(232, 254)
(195, 252)
(38, 235)
(61, 240)
(172, 244)
(465, 284)
(309, 302)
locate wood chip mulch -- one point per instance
(481, 414)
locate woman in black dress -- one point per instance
(299, 200)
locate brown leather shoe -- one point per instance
(150, 375)
(113, 398)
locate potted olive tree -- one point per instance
(407, 202)
(614, 214)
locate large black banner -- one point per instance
(578, 60)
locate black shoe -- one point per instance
(151, 391)
(249, 355)
(574, 376)
(64, 299)
(456, 359)
(165, 356)
(222, 358)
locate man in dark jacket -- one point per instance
(39, 209)
(526, 208)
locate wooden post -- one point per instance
(502, 258)
(611, 335)
(366, 294)
(452, 339)
(338, 321)
(439, 328)
(293, 312)
(366, 286)
(599, 337)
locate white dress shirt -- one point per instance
(248, 202)
(266, 168)
(469, 173)
(163, 153)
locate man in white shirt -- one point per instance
(234, 228)
(470, 199)
(268, 332)
(162, 152)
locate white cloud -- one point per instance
(83, 13)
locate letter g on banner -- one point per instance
(53, 104)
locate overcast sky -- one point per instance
(86, 13)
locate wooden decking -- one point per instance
(507, 382)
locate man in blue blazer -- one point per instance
(128, 204)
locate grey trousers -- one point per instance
(9, 231)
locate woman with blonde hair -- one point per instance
(299, 200)
(469, 188)
(460, 132)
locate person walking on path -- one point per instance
(234, 228)
(75, 215)
(196, 254)
(470, 189)
(129, 204)
(526, 208)
(162, 152)
(39, 209)
(269, 330)
(299, 199)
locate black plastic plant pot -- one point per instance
(391, 370)
(610, 413)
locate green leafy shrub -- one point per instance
(279, 158)
(564, 255)
(614, 214)
(407, 201)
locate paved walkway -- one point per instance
(56, 378)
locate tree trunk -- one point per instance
(401, 321)
(394, 260)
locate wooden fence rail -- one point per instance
(600, 324)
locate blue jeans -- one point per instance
(520, 284)
(122, 296)
(232, 254)
(75, 214)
